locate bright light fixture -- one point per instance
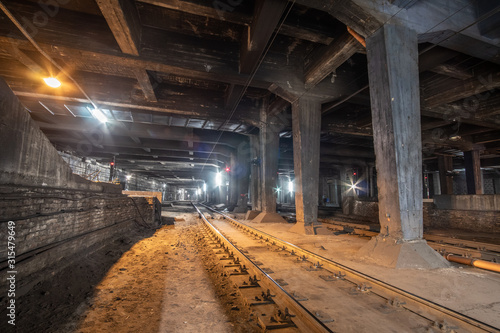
(52, 82)
(198, 191)
(290, 186)
(204, 187)
(218, 179)
(128, 177)
(97, 114)
(353, 186)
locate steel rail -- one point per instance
(305, 320)
(436, 313)
(441, 244)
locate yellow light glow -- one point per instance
(52, 82)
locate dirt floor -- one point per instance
(150, 281)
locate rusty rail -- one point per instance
(440, 315)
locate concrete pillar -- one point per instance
(255, 166)
(269, 155)
(394, 92)
(306, 125)
(371, 180)
(233, 181)
(496, 185)
(445, 165)
(242, 173)
(473, 174)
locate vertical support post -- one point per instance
(394, 92)
(445, 165)
(269, 149)
(473, 172)
(233, 181)
(242, 173)
(306, 125)
(269, 156)
(255, 173)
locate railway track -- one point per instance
(465, 248)
(332, 296)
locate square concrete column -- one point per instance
(445, 165)
(233, 182)
(394, 92)
(269, 143)
(473, 174)
(242, 174)
(255, 165)
(306, 126)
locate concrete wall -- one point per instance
(56, 214)
(473, 220)
(466, 212)
(53, 225)
(490, 202)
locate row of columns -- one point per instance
(394, 91)
(392, 53)
(473, 175)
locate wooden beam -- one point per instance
(117, 104)
(23, 58)
(486, 137)
(453, 71)
(447, 90)
(277, 106)
(145, 84)
(285, 94)
(347, 12)
(123, 66)
(123, 20)
(267, 15)
(233, 95)
(348, 129)
(330, 58)
(213, 12)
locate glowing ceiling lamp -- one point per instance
(52, 82)
(204, 187)
(97, 114)
(218, 179)
(290, 186)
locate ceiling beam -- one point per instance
(486, 137)
(214, 12)
(87, 143)
(233, 95)
(267, 15)
(446, 90)
(26, 60)
(277, 106)
(145, 83)
(123, 66)
(123, 20)
(329, 58)
(453, 71)
(143, 131)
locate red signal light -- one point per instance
(112, 163)
(227, 169)
(354, 174)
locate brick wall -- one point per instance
(433, 217)
(473, 220)
(54, 224)
(57, 214)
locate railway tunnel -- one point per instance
(249, 166)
